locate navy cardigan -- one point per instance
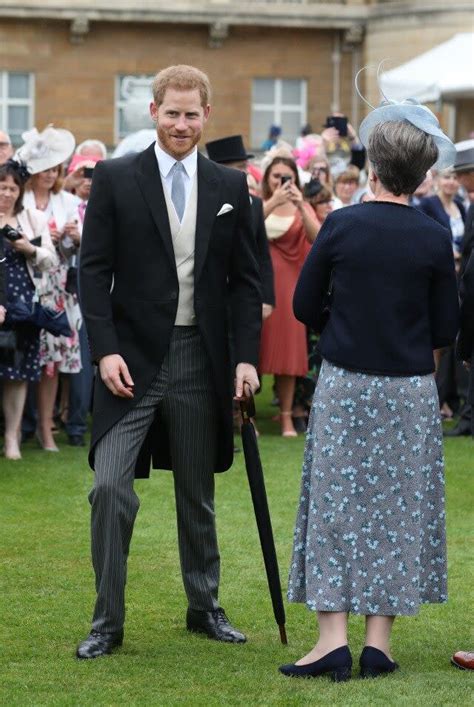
(393, 289)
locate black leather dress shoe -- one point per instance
(76, 441)
(462, 429)
(374, 663)
(337, 663)
(214, 624)
(97, 644)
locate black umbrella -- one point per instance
(262, 514)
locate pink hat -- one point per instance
(78, 160)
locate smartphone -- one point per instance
(88, 172)
(338, 122)
(286, 178)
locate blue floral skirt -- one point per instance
(370, 531)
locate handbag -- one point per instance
(41, 317)
(71, 280)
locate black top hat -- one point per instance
(227, 149)
(312, 188)
(464, 156)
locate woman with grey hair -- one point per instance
(370, 530)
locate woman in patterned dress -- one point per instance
(58, 354)
(370, 530)
(21, 260)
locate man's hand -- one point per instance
(3, 314)
(245, 378)
(115, 374)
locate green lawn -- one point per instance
(46, 594)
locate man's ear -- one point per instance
(153, 111)
(207, 111)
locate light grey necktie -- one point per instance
(178, 196)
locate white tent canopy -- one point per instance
(444, 72)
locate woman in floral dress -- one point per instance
(45, 152)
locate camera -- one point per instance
(286, 178)
(10, 233)
(339, 122)
(88, 172)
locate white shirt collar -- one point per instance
(166, 162)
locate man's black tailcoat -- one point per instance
(129, 286)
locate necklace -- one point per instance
(42, 203)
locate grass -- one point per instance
(46, 590)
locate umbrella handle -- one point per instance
(247, 405)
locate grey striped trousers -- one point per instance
(183, 390)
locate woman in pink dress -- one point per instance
(291, 228)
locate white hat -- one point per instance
(45, 150)
(418, 115)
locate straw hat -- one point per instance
(45, 150)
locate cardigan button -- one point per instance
(174, 295)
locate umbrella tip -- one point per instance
(283, 637)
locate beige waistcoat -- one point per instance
(184, 237)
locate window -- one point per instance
(278, 102)
(132, 100)
(16, 104)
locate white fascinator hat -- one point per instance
(46, 149)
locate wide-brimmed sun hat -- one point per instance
(45, 150)
(411, 111)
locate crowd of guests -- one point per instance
(330, 171)
(47, 383)
(45, 371)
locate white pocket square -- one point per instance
(225, 208)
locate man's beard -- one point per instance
(177, 149)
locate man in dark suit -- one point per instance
(230, 151)
(167, 248)
(464, 167)
(465, 352)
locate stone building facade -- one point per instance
(290, 62)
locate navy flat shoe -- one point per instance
(374, 663)
(337, 663)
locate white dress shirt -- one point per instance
(165, 165)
